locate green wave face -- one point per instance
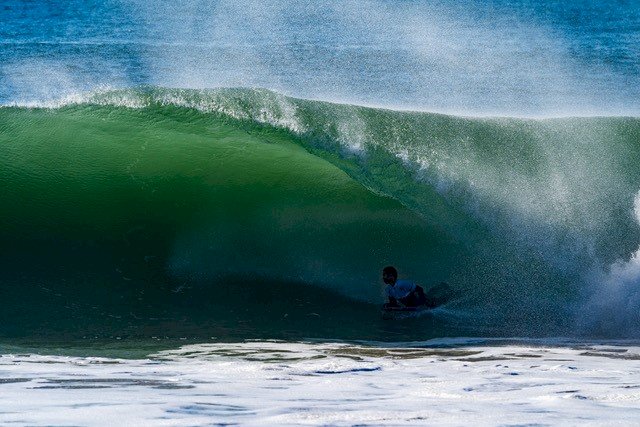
(202, 204)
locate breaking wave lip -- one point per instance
(143, 96)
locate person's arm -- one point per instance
(392, 302)
(415, 298)
(422, 297)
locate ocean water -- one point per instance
(194, 192)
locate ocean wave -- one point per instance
(182, 189)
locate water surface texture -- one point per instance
(524, 57)
(197, 199)
(242, 170)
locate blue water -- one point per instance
(533, 58)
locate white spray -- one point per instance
(614, 307)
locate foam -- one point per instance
(276, 383)
(614, 303)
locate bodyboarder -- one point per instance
(401, 293)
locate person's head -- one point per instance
(389, 275)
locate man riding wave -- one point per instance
(401, 293)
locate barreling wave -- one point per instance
(140, 197)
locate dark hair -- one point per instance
(391, 270)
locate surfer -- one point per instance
(401, 293)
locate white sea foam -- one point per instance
(275, 383)
(614, 305)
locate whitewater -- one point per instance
(196, 201)
(277, 383)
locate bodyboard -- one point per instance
(437, 295)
